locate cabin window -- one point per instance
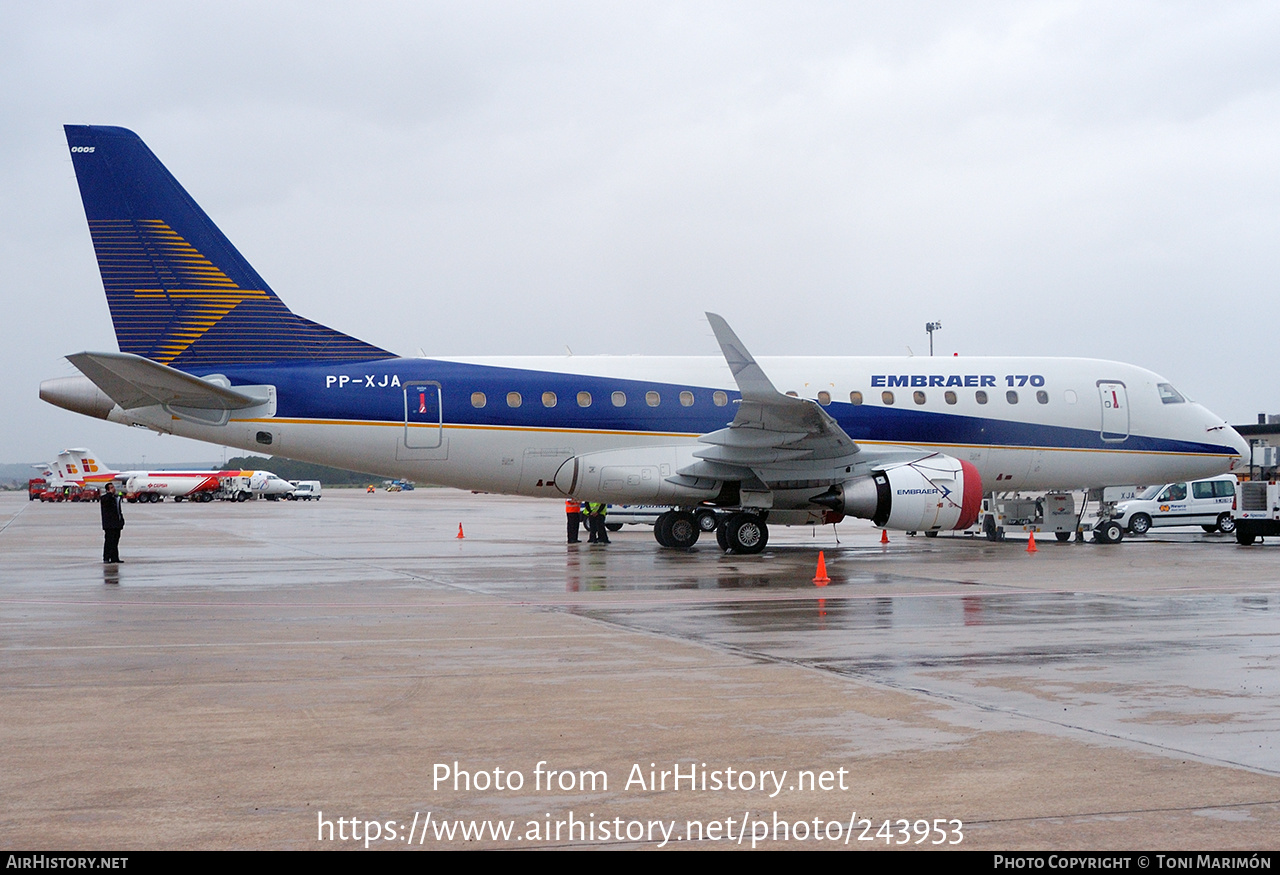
(514, 399)
(886, 397)
(686, 399)
(548, 399)
(584, 399)
(1069, 396)
(653, 399)
(1011, 396)
(263, 437)
(949, 396)
(478, 399)
(824, 398)
(855, 397)
(917, 396)
(1042, 396)
(720, 399)
(619, 399)
(980, 397)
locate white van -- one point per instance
(1204, 503)
(305, 490)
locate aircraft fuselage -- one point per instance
(507, 424)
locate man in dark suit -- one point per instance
(112, 523)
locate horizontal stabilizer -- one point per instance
(133, 381)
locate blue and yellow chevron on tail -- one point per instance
(180, 294)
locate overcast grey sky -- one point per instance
(1057, 178)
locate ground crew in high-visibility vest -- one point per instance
(596, 511)
(573, 516)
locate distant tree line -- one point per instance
(288, 469)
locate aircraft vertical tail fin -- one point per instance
(80, 466)
(179, 292)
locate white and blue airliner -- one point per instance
(208, 351)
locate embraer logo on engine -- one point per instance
(367, 381)
(937, 490)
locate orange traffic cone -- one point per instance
(1031, 544)
(820, 578)
(460, 535)
(884, 536)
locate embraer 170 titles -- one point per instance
(208, 351)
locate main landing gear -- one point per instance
(738, 533)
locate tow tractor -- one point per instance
(1055, 512)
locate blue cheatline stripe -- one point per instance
(304, 395)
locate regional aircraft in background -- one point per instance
(80, 467)
(208, 351)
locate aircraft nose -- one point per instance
(1237, 440)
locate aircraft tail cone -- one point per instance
(820, 577)
(460, 536)
(884, 536)
(1031, 544)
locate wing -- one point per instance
(777, 441)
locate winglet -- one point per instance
(752, 381)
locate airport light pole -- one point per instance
(932, 327)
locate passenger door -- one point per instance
(1115, 411)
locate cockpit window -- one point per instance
(1169, 395)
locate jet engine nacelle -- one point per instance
(937, 492)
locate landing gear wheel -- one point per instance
(613, 527)
(662, 528)
(682, 530)
(1245, 540)
(989, 529)
(932, 534)
(1062, 536)
(746, 533)
(1110, 532)
(1226, 523)
(707, 520)
(722, 536)
(1141, 524)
